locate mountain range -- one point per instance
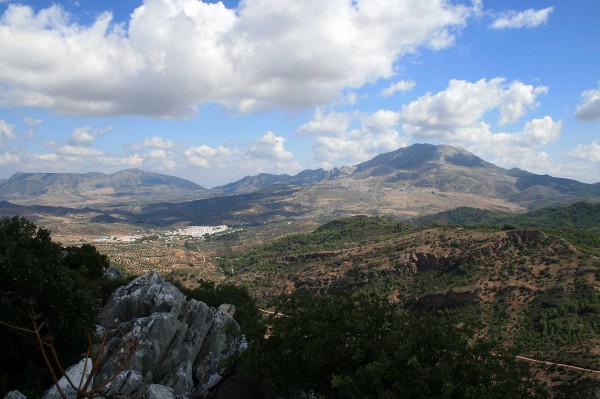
(409, 182)
(130, 185)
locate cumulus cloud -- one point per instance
(400, 86)
(157, 142)
(211, 166)
(204, 156)
(350, 138)
(85, 136)
(268, 146)
(589, 108)
(463, 105)
(82, 136)
(66, 158)
(457, 115)
(7, 131)
(258, 56)
(77, 153)
(589, 152)
(525, 19)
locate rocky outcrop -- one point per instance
(424, 261)
(448, 300)
(160, 345)
(112, 273)
(182, 345)
(518, 237)
(78, 374)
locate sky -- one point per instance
(215, 91)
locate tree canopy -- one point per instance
(345, 347)
(41, 277)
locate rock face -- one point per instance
(171, 345)
(77, 373)
(442, 301)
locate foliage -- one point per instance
(357, 230)
(86, 260)
(578, 223)
(558, 318)
(36, 273)
(344, 347)
(581, 215)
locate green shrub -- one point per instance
(35, 278)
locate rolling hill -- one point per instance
(131, 185)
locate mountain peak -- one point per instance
(419, 156)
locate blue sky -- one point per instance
(214, 91)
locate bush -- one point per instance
(344, 347)
(34, 277)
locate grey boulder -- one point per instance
(156, 337)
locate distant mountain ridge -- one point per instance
(95, 187)
(408, 182)
(441, 167)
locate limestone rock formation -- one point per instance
(15, 395)
(77, 373)
(182, 345)
(160, 345)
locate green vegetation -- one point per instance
(581, 215)
(358, 333)
(361, 347)
(530, 291)
(353, 231)
(578, 223)
(59, 286)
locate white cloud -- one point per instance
(67, 158)
(589, 152)
(85, 136)
(73, 151)
(268, 146)
(51, 156)
(457, 115)
(463, 105)
(8, 158)
(259, 56)
(32, 121)
(402, 85)
(211, 166)
(157, 142)
(132, 161)
(589, 109)
(204, 156)
(158, 154)
(525, 19)
(7, 131)
(332, 123)
(340, 143)
(82, 136)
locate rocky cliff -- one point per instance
(158, 344)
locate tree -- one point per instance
(87, 261)
(33, 275)
(345, 347)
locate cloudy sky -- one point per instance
(214, 91)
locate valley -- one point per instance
(434, 230)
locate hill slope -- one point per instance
(533, 291)
(131, 185)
